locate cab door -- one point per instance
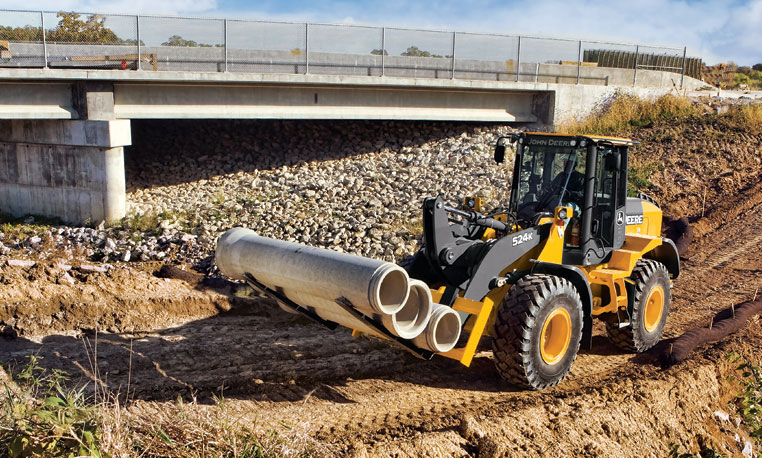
(610, 196)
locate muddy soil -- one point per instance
(155, 339)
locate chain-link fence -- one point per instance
(159, 43)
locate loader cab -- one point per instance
(586, 173)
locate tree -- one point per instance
(177, 40)
(378, 52)
(72, 29)
(414, 51)
(757, 67)
(26, 33)
(741, 81)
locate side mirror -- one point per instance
(500, 154)
(614, 161)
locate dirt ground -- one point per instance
(156, 339)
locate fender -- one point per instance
(667, 254)
(579, 280)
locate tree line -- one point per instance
(73, 28)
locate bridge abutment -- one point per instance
(69, 169)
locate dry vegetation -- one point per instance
(43, 415)
(623, 114)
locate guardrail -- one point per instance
(159, 43)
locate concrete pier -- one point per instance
(70, 169)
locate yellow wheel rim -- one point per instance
(654, 308)
(555, 337)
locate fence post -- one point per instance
(518, 58)
(137, 40)
(452, 70)
(44, 41)
(579, 60)
(307, 48)
(682, 77)
(635, 73)
(225, 43)
(383, 49)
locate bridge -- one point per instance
(66, 104)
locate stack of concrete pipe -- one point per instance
(318, 279)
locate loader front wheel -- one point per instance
(538, 331)
(650, 308)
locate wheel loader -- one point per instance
(570, 246)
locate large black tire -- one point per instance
(649, 314)
(537, 304)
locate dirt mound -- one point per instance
(699, 170)
(51, 297)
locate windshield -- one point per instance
(550, 176)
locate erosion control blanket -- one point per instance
(723, 324)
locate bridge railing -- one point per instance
(161, 43)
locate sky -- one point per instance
(714, 30)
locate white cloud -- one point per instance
(175, 7)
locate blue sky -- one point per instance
(715, 30)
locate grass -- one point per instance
(705, 452)
(413, 228)
(15, 228)
(218, 198)
(149, 222)
(41, 416)
(748, 403)
(623, 112)
(746, 118)
(639, 178)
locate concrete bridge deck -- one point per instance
(62, 131)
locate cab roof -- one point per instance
(593, 138)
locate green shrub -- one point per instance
(42, 418)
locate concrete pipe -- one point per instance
(412, 318)
(442, 332)
(372, 286)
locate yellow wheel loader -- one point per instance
(569, 247)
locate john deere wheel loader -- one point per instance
(570, 247)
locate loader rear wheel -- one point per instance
(537, 331)
(650, 308)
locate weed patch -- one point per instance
(42, 416)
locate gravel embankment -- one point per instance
(351, 186)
